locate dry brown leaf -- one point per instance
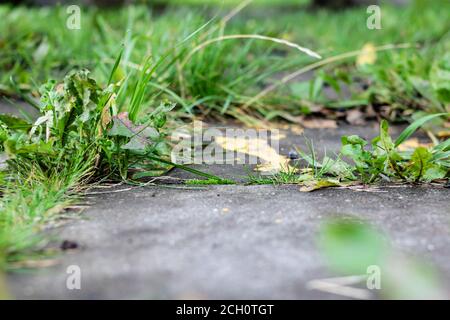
(315, 185)
(297, 130)
(278, 136)
(444, 134)
(56, 209)
(355, 117)
(106, 115)
(319, 124)
(274, 162)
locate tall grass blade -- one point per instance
(416, 125)
(116, 65)
(186, 168)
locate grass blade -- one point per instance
(116, 65)
(188, 169)
(416, 125)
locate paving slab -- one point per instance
(325, 142)
(17, 108)
(231, 242)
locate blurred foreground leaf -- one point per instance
(352, 247)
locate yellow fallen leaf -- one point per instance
(368, 55)
(315, 185)
(278, 136)
(56, 209)
(312, 185)
(444, 134)
(319, 124)
(105, 118)
(106, 115)
(283, 126)
(257, 147)
(287, 36)
(412, 144)
(297, 130)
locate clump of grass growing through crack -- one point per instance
(287, 176)
(361, 162)
(382, 161)
(87, 131)
(80, 137)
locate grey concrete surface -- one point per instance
(255, 242)
(230, 242)
(325, 142)
(17, 108)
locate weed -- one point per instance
(287, 176)
(382, 161)
(80, 137)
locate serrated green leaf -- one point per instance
(420, 162)
(434, 172)
(353, 139)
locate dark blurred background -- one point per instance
(321, 3)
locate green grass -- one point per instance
(288, 176)
(29, 201)
(221, 77)
(79, 138)
(229, 3)
(361, 162)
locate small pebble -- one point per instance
(293, 155)
(69, 245)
